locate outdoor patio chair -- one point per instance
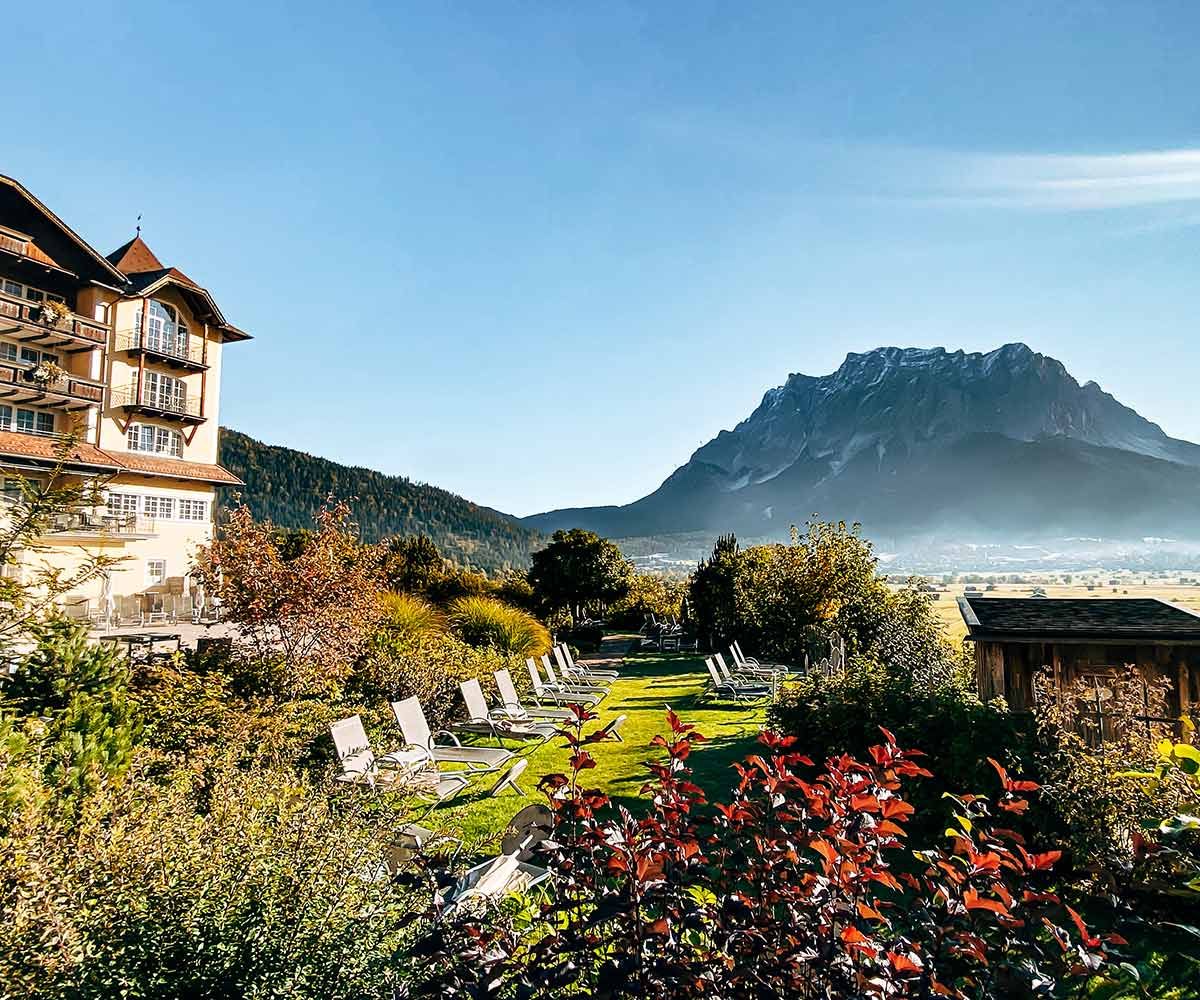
(565, 657)
(543, 691)
(728, 689)
(410, 717)
(570, 686)
(411, 768)
(513, 709)
(481, 719)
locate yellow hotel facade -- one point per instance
(123, 354)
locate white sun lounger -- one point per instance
(511, 704)
(571, 671)
(410, 717)
(544, 692)
(480, 719)
(411, 768)
(570, 686)
(511, 871)
(738, 692)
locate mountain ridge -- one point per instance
(287, 487)
(839, 445)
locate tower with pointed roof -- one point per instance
(123, 354)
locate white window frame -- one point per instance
(157, 507)
(192, 510)
(153, 579)
(162, 440)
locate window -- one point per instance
(35, 422)
(8, 352)
(6, 418)
(33, 356)
(156, 572)
(125, 504)
(159, 508)
(147, 437)
(165, 329)
(193, 510)
(163, 391)
(29, 294)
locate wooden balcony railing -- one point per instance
(29, 323)
(18, 384)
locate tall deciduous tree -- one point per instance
(579, 568)
(307, 616)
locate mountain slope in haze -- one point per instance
(914, 441)
(288, 487)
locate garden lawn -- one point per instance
(648, 685)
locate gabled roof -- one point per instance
(59, 241)
(135, 257)
(1120, 619)
(147, 275)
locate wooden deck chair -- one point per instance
(410, 717)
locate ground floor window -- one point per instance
(157, 507)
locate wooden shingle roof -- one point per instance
(1123, 619)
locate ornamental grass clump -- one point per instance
(484, 622)
(410, 617)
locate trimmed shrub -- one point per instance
(484, 622)
(842, 713)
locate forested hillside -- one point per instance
(287, 487)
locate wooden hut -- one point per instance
(1081, 637)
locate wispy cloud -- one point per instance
(1162, 181)
(1072, 183)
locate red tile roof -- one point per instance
(175, 468)
(46, 449)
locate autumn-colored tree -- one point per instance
(303, 619)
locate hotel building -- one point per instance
(123, 354)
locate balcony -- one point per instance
(164, 349)
(157, 404)
(22, 320)
(91, 525)
(70, 392)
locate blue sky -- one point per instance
(537, 253)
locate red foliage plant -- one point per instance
(800, 886)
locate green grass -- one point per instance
(647, 686)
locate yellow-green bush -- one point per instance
(484, 622)
(411, 616)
